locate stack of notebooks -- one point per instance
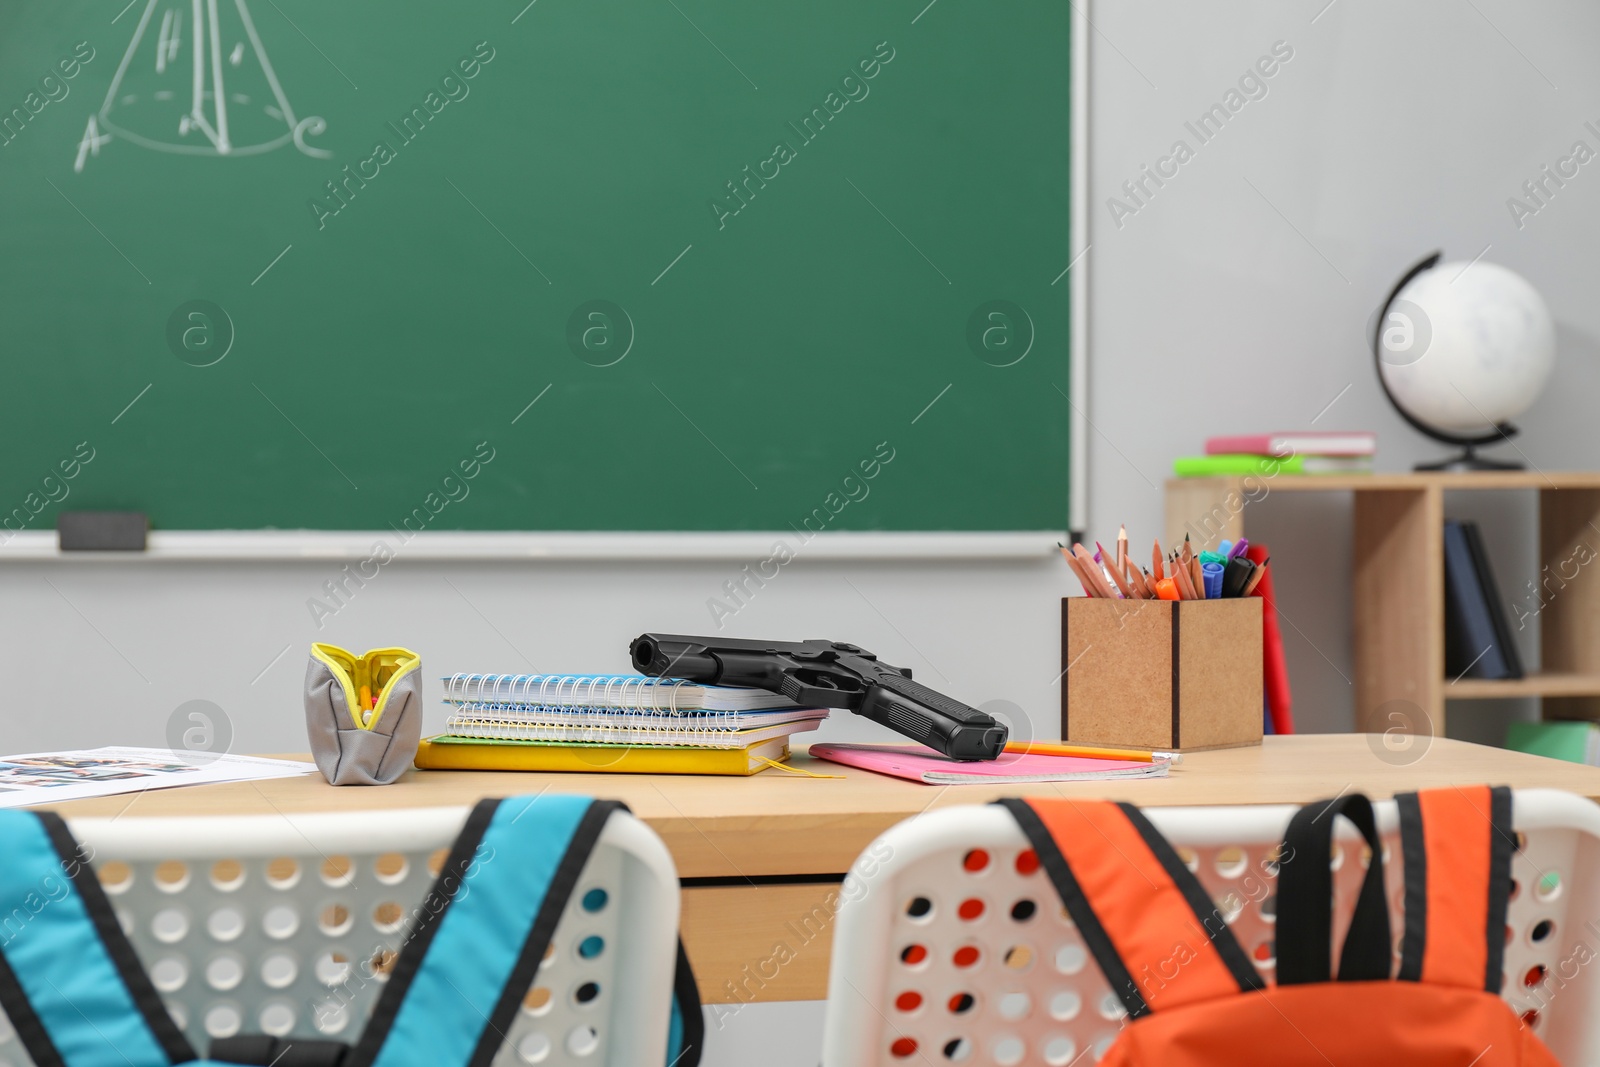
(1281, 453)
(1477, 634)
(618, 723)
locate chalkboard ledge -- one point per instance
(514, 546)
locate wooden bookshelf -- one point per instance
(1537, 684)
(1398, 580)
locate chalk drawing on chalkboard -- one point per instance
(197, 81)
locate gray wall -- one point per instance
(1250, 277)
(125, 645)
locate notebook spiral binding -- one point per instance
(617, 731)
(564, 692)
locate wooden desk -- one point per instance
(761, 857)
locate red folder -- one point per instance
(1275, 672)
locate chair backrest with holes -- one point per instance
(291, 927)
(953, 945)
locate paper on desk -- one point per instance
(52, 777)
(918, 763)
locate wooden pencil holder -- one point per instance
(1163, 675)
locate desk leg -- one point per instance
(1399, 610)
(1207, 509)
(1569, 590)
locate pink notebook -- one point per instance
(1284, 443)
(919, 763)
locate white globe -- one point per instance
(1463, 349)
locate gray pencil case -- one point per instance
(363, 713)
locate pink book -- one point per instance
(918, 763)
(1285, 443)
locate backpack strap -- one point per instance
(278, 1051)
(69, 978)
(1457, 844)
(686, 1033)
(459, 978)
(1305, 899)
(1152, 928)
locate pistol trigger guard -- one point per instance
(800, 691)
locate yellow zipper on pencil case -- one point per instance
(378, 670)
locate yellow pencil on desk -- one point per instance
(1054, 748)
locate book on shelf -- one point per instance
(1292, 443)
(1265, 466)
(1575, 741)
(1477, 634)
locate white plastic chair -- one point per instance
(952, 947)
(289, 925)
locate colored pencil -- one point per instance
(1255, 579)
(1089, 589)
(1180, 575)
(1122, 582)
(1136, 578)
(1077, 570)
(1053, 748)
(1086, 558)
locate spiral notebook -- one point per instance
(689, 730)
(622, 691)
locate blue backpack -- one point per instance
(78, 995)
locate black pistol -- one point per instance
(828, 674)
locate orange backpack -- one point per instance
(1193, 997)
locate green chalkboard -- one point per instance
(561, 265)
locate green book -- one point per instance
(1266, 466)
(1575, 742)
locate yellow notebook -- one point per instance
(448, 753)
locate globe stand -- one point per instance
(1468, 460)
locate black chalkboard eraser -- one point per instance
(102, 531)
